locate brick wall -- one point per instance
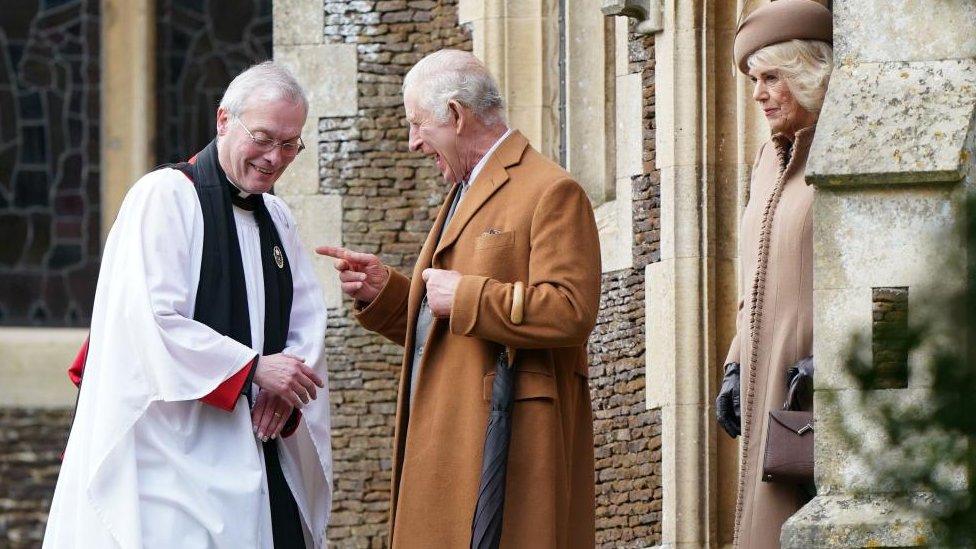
(31, 442)
(627, 437)
(389, 199)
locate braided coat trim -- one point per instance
(785, 157)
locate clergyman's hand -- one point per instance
(362, 275)
(288, 377)
(269, 415)
(441, 286)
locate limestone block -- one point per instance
(841, 414)
(676, 81)
(682, 446)
(615, 223)
(589, 149)
(328, 74)
(470, 10)
(680, 225)
(906, 30)
(838, 314)
(858, 521)
(659, 333)
(894, 122)
(877, 238)
(728, 207)
(673, 329)
(525, 70)
(528, 120)
(302, 176)
(533, 8)
(629, 132)
(297, 22)
(621, 40)
(33, 372)
(319, 221)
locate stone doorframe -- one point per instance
(708, 131)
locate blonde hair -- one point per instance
(805, 65)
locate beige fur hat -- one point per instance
(780, 21)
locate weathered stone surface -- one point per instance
(895, 122)
(627, 435)
(31, 442)
(328, 74)
(297, 22)
(319, 219)
(35, 361)
(905, 30)
(843, 521)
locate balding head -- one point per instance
(455, 75)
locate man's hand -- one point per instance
(441, 286)
(362, 275)
(288, 377)
(269, 415)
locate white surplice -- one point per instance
(147, 464)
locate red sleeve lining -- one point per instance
(226, 394)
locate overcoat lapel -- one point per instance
(491, 178)
(414, 299)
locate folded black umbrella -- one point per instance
(486, 528)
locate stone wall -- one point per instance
(389, 199)
(627, 437)
(31, 442)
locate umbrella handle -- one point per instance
(518, 303)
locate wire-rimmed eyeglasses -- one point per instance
(288, 148)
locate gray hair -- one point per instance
(454, 75)
(268, 81)
(805, 66)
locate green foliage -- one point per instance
(928, 440)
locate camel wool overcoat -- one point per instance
(522, 219)
(775, 323)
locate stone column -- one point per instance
(328, 74)
(128, 103)
(519, 42)
(893, 156)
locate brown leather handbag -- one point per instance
(788, 455)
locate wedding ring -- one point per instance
(277, 415)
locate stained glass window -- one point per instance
(202, 46)
(49, 177)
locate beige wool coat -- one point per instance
(775, 323)
(523, 219)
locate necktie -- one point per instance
(424, 317)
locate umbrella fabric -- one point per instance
(486, 528)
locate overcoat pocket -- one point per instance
(494, 240)
(528, 386)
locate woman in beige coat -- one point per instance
(784, 48)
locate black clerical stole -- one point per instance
(221, 302)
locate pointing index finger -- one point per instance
(337, 252)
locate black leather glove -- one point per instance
(727, 409)
(799, 386)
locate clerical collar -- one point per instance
(241, 199)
